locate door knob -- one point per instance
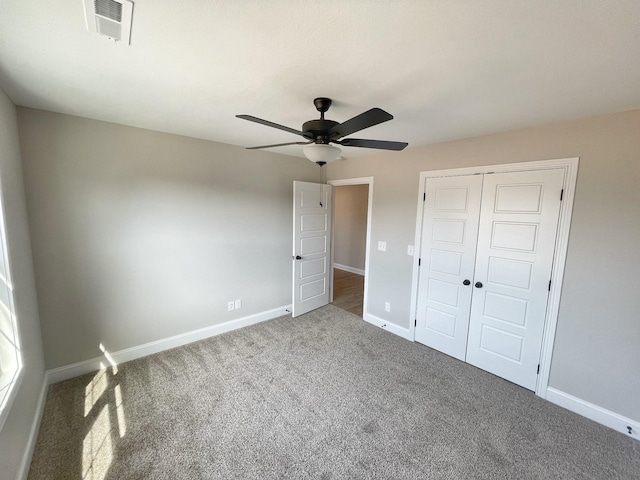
(467, 282)
(297, 257)
(478, 284)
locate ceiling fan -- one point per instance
(320, 133)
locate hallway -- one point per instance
(348, 291)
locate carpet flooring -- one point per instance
(324, 396)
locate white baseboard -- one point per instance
(23, 473)
(594, 412)
(392, 327)
(69, 371)
(348, 269)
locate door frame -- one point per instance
(342, 183)
(570, 167)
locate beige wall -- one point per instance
(140, 235)
(350, 225)
(15, 432)
(597, 348)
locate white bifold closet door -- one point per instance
(514, 221)
(449, 239)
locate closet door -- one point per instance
(516, 240)
(447, 253)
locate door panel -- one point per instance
(516, 239)
(311, 235)
(447, 252)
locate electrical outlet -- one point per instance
(410, 250)
(387, 307)
(237, 304)
(382, 246)
(231, 306)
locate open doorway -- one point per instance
(350, 247)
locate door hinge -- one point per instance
(549, 285)
(538, 372)
(561, 194)
(415, 322)
(424, 197)
(419, 261)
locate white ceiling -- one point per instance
(445, 69)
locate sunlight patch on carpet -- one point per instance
(97, 450)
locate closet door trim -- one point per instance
(570, 167)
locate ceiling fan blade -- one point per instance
(269, 124)
(380, 144)
(280, 145)
(360, 122)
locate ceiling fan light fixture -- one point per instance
(321, 153)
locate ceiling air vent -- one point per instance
(111, 18)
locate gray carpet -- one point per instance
(323, 396)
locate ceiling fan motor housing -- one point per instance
(318, 130)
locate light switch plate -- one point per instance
(410, 250)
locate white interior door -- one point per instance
(516, 241)
(447, 253)
(311, 246)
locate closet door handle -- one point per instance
(467, 282)
(478, 284)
